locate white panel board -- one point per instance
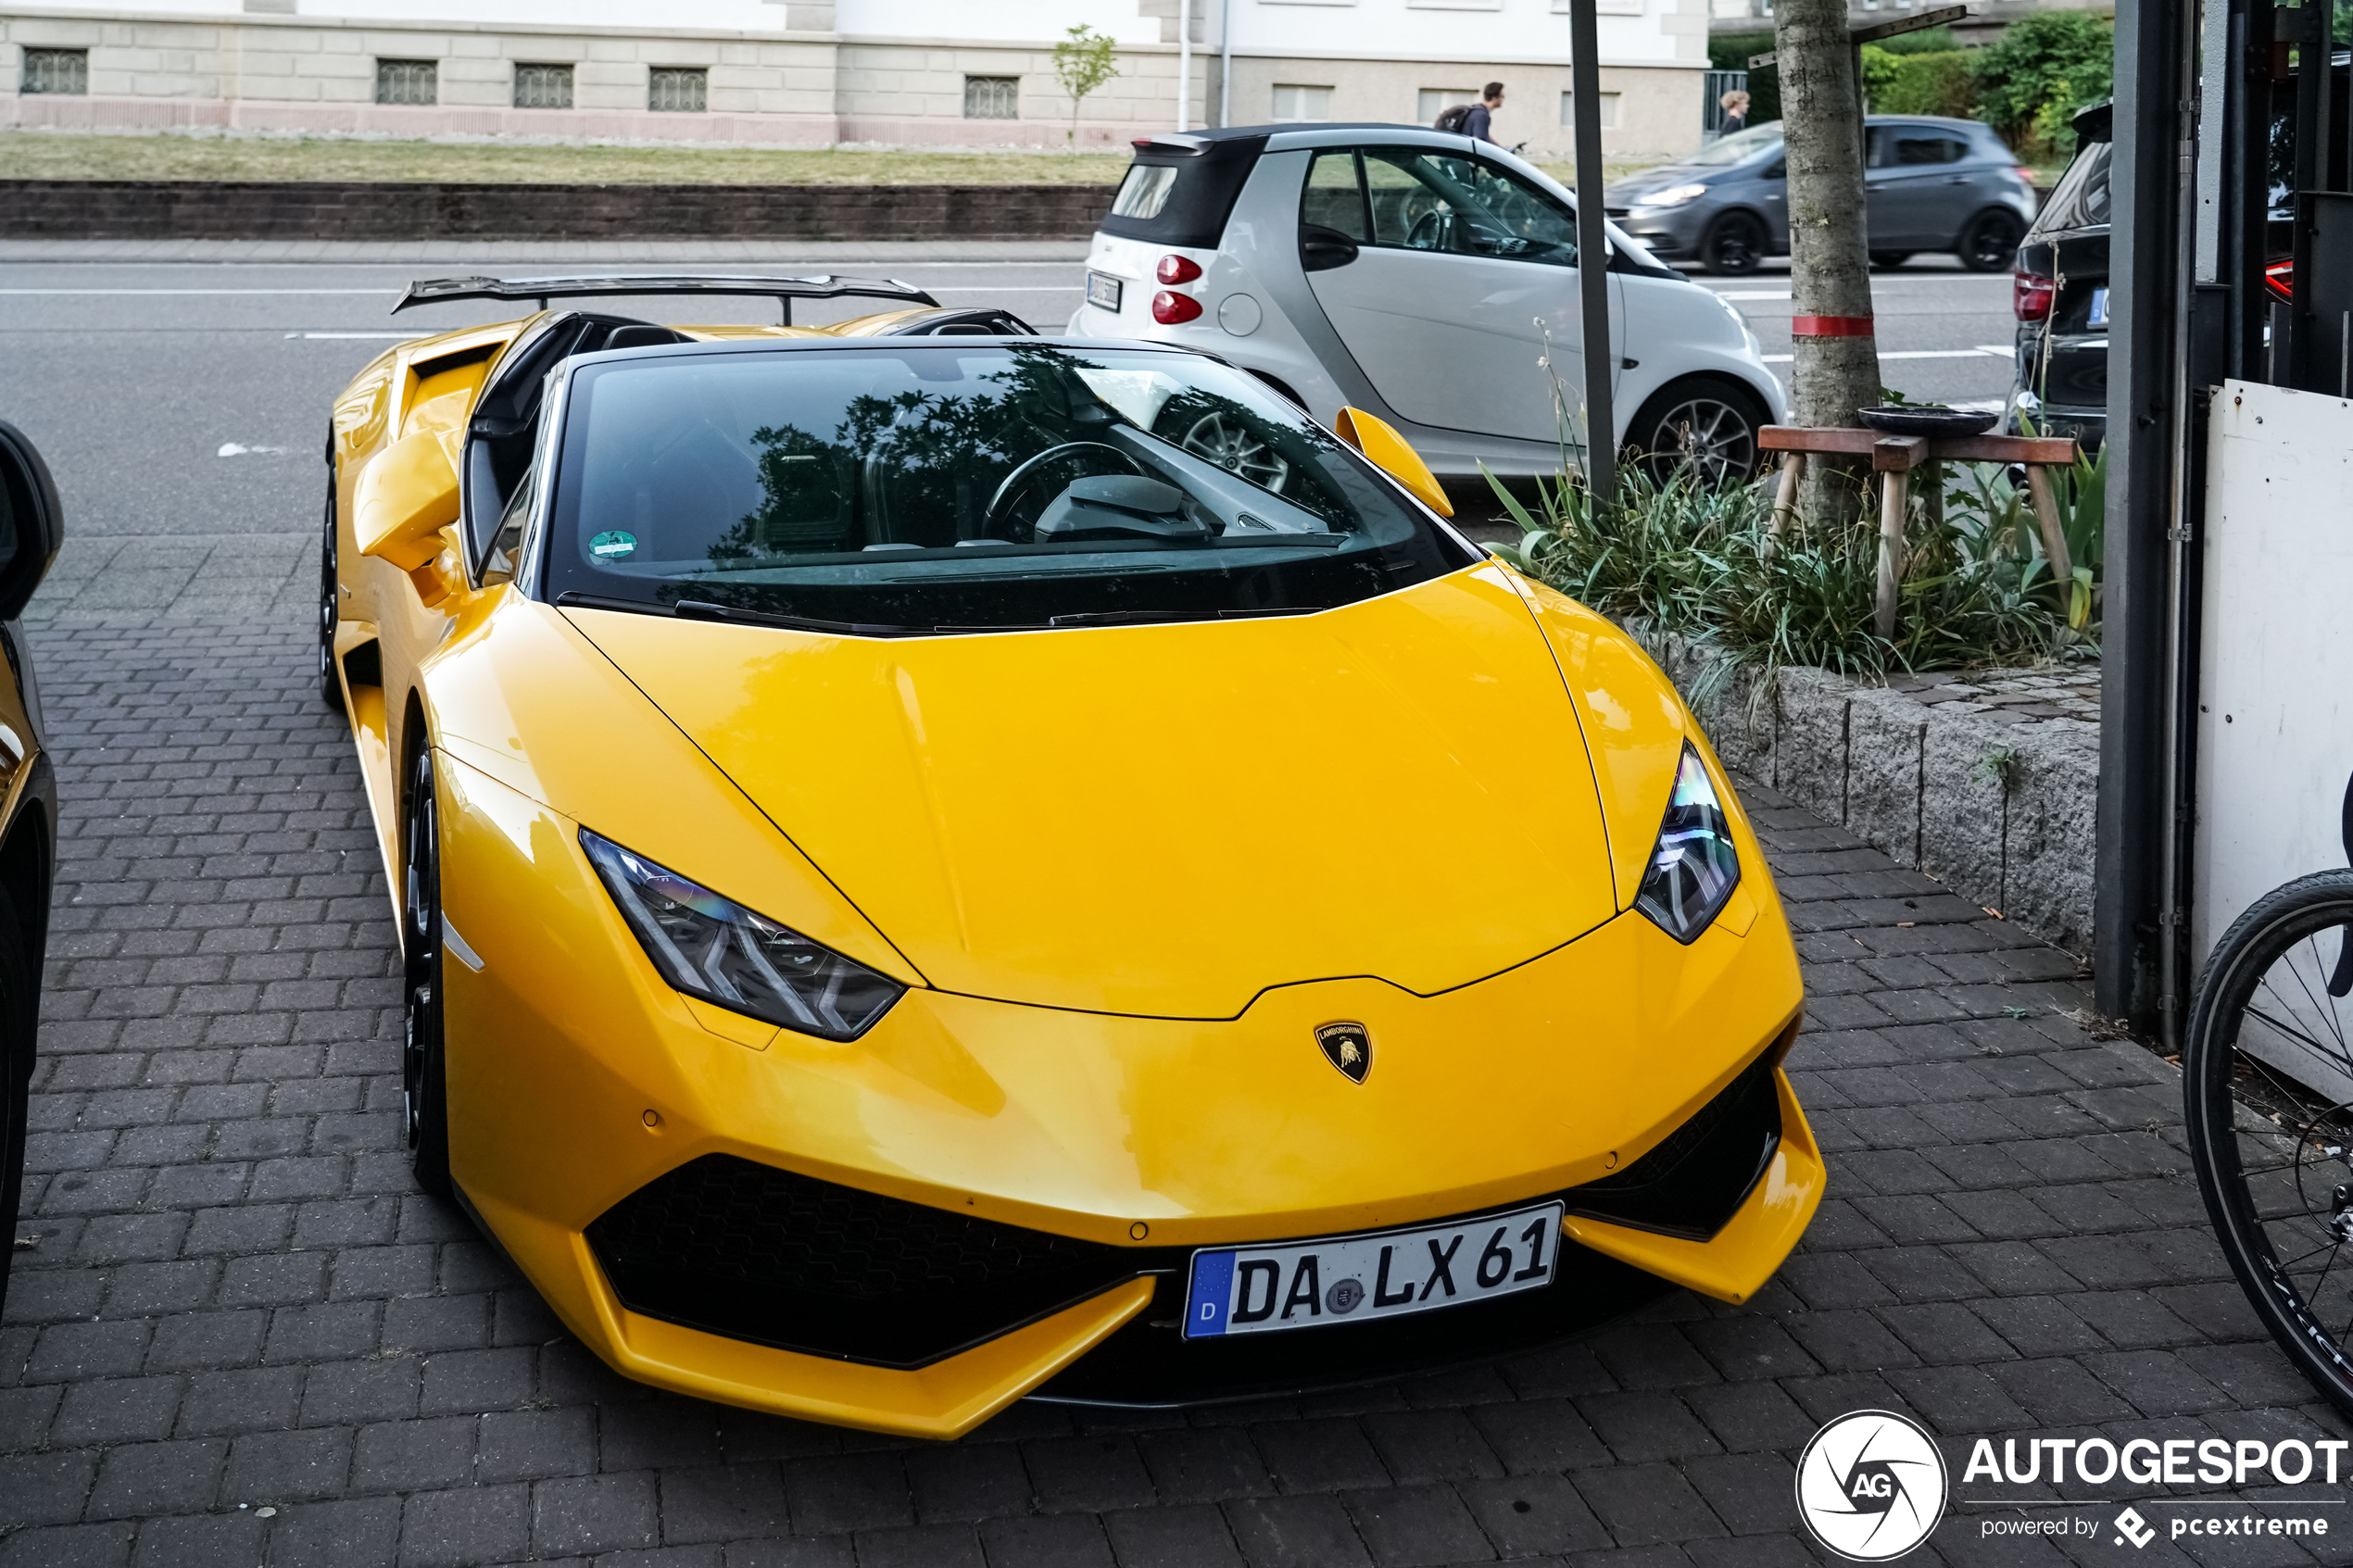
(2275, 692)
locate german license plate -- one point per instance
(2099, 317)
(1384, 1274)
(1102, 289)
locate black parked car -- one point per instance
(29, 534)
(2059, 294)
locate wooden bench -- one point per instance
(1893, 457)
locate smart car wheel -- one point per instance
(1218, 437)
(1702, 431)
(424, 1085)
(1734, 245)
(1990, 244)
(329, 684)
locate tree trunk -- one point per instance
(1836, 363)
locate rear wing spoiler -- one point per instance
(433, 290)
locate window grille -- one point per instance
(678, 90)
(408, 82)
(542, 87)
(992, 97)
(55, 71)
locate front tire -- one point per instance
(1701, 429)
(1734, 245)
(424, 1073)
(330, 608)
(19, 1009)
(1889, 259)
(1990, 242)
(2273, 1152)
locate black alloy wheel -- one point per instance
(19, 1006)
(1702, 431)
(1990, 242)
(1890, 257)
(1734, 245)
(2266, 1078)
(330, 614)
(424, 1079)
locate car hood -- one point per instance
(1165, 820)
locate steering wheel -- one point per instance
(1013, 479)
(1435, 223)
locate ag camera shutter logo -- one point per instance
(1871, 1485)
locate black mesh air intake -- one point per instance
(752, 1252)
(1698, 1177)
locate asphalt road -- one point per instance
(191, 398)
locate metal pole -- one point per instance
(1593, 252)
(2137, 872)
(1225, 65)
(1184, 65)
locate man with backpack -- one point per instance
(1475, 121)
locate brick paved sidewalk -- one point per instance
(243, 1338)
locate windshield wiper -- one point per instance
(703, 610)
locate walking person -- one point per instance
(1480, 124)
(1735, 103)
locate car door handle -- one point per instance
(1321, 250)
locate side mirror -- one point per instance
(32, 525)
(408, 493)
(1386, 451)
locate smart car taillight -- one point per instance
(1171, 308)
(1178, 270)
(2280, 278)
(2031, 295)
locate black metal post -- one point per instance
(2136, 926)
(2313, 124)
(1593, 252)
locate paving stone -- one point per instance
(238, 1293)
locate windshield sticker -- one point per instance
(613, 546)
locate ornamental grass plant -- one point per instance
(1671, 556)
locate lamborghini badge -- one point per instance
(1349, 1047)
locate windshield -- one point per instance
(968, 487)
(1738, 147)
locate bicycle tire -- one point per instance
(2241, 1094)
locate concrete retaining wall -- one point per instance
(131, 209)
(1990, 791)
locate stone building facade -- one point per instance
(942, 73)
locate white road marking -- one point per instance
(1911, 354)
(1752, 294)
(230, 450)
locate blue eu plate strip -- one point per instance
(1213, 1293)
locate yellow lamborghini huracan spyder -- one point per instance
(936, 866)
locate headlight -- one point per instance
(714, 948)
(1673, 195)
(1693, 869)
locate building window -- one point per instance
(992, 97)
(1608, 114)
(408, 82)
(678, 90)
(1435, 101)
(1293, 102)
(55, 71)
(542, 87)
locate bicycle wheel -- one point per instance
(2267, 1087)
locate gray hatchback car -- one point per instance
(1934, 185)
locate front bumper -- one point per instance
(1054, 1169)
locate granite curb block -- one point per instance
(1999, 811)
(422, 210)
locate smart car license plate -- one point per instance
(1102, 289)
(2099, 309)
(1385, 1274)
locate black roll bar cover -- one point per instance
(785, 290)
